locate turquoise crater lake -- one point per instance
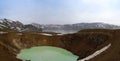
(46, 53)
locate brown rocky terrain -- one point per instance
(83, 43)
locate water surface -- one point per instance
(46, 53)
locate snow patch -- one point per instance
(1, 21)
(2, 25)
(60, 34)
(46, 34)
(1, 32)
(96, 53)
(18, 28)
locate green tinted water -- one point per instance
(46, 53)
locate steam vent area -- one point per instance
(84, 45)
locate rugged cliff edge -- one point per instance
(82, 43)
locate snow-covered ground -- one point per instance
(96, 53)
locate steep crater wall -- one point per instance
(81, 43)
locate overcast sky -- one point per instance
(61, 11)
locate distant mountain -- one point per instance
(9, 25)
(72, 28)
